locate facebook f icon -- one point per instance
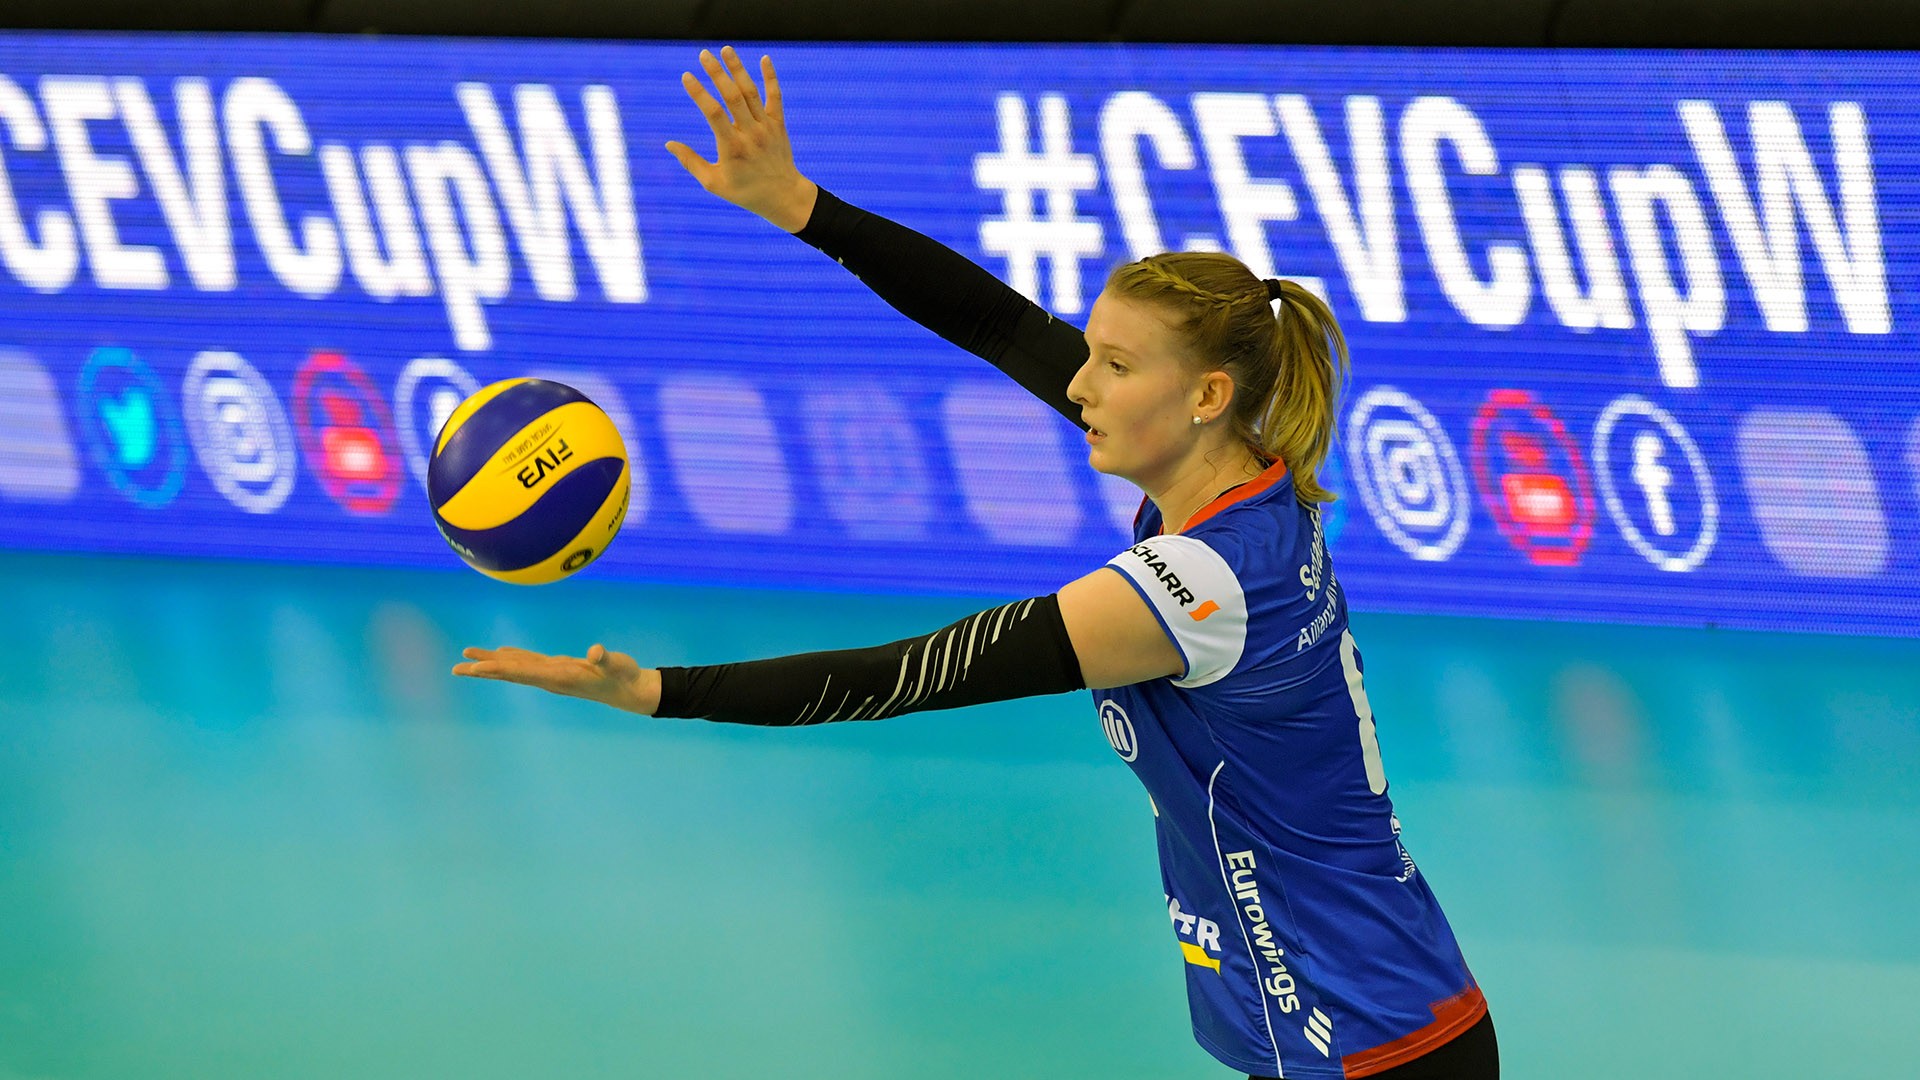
(1640, 449)
(1654, 479)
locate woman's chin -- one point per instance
(1099, 461)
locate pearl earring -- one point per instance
(1197, 420)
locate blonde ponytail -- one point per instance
(1310, 363)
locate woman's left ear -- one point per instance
(1218, 394)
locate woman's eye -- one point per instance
(1115, 365)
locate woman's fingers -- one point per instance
(521, 666)
(723, 82)
(501, 663)
(774, 108)
(737, 71)
(602, 675)
(716, 116)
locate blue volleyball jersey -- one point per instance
(1313, 946)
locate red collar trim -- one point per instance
(1241, 493)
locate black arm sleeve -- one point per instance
(940, 289)
(1016, 650)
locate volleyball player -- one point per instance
(1216, 645)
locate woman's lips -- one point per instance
(1094, 435)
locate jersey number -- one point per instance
(1369, 738)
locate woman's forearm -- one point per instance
(1016, 650)
(947, 293)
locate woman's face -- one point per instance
(1134, 391)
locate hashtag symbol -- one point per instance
(1057, 172)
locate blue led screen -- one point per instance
(1633, 333)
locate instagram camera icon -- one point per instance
(1408, 474)
(240, 428)
(239, 431)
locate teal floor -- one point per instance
(250, 827)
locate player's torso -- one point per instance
(1308, 932)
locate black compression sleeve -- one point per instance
(940, 289)
(1016, 650)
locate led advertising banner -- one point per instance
(1633, 334)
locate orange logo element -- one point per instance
(1200, 614)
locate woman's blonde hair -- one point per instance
(1286, 369)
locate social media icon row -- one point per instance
(1806, 475)
(138, 436)
(1533, 479)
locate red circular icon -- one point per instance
(1532, 479)
(346, 434)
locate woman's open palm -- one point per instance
(611, 678)
(755, 169)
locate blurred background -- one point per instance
(1628, 469)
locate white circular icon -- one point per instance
(1015, 480)
(1408, 474)
(239, 431)
(446, 385)
(37, 459)
(1119, 729)
(1810, 486)
(1650, 473)
(869, 461)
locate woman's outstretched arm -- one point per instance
(1016, 650)
(920, 277)
(1096, 632)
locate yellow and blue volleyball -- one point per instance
(528, 481)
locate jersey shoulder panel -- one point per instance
(1198, 599)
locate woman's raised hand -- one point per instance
(755, 169)
(608, 677)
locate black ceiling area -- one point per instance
(1741, 24)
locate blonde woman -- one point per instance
(1216, 645)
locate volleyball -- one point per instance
(528, 481)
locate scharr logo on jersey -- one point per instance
(1180, 594)
(1199, 938)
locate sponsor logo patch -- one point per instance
(1119, 729)
(1199, 937)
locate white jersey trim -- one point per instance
(1198, 600)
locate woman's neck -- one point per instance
(1202, 482)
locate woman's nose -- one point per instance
(1077, 388)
